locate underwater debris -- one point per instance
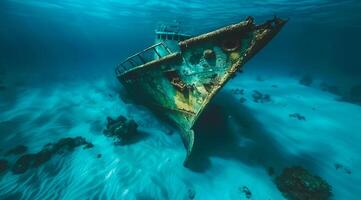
(258, 97)
(121, 129)
(297, 116)
(296, 183)
(29, 161)
(306, 80)
(339, 166)
(191, 194)
(246, 191)
(18, 150)
(3, 165)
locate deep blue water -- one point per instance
(57, 61)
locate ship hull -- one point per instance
(180, 85)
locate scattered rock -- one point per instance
(274, 86)
(258, 97)
(238, 91)
(246, 191)
(18, 150)
(297, 116)
(29, 161)
(99, 155)
(121, 129)
(191, 194)
(296, 183)
(306, 80)
(339, 166)
(3, 165)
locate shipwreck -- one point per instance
(179, 75)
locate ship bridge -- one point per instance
(166, 43)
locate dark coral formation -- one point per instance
(121, 129)
(18, 150)
(64, 145)
(246, 191)
(297, 116)
(306, 80)
(3, 165)
(258, 97)
(296, 183)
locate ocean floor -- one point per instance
(243, 137)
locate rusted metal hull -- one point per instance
(181, 84)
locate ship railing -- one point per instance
(149, 54)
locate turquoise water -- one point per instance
(57, 61)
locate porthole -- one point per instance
(230, 45)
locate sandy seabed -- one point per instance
(244, 142)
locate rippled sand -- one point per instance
(238, 143)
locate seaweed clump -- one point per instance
(35, 160)
(121, 129)
(296, 183)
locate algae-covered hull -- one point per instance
(180, 82)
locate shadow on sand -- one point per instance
(229, 130)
